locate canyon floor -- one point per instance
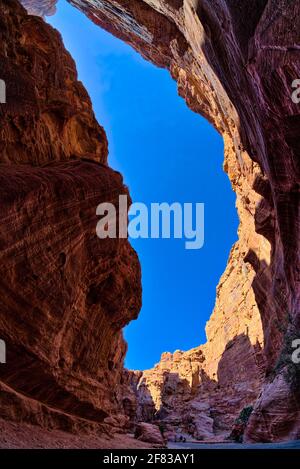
(23, 436)
(202, 446)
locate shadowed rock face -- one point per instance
(235, 64)
(61, 288)
(65, 295)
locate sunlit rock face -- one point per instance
(235, 65)
(65, 294)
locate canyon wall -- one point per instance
(65, 294)
(235, 65)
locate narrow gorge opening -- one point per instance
(166, 153)
(67, 293)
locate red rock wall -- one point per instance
(65, 295)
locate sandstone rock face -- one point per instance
(149, 434)
(62, 287)
(235, 64)
(186, 397)
(65, 294)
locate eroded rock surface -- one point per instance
(149, 434)
(61, 290)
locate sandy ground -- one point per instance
(23, 436)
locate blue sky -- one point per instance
(166, 153)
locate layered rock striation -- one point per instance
(235, 64)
